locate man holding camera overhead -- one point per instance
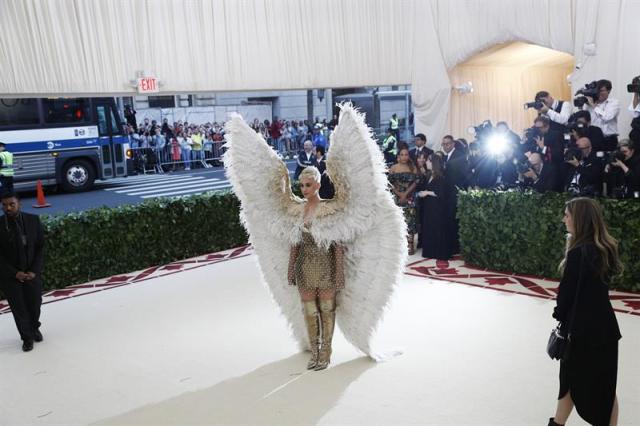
(604, 111)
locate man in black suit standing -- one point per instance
(306, 158)
(421, 148)
(21, 265)
(455, 173)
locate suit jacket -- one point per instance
(456, 169)
(554, 142)
(303, 162)
(9, 258)
(413, 153)
(594, 320)
(548, 178)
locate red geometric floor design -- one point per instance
(139, 276)
(457, 271)
(453, 271)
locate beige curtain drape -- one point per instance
(503, 81)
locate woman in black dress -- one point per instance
(588, 376)
(433, 211)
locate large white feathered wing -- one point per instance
(261, 181)
(370, 225)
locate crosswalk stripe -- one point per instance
(204, 191)
(134, 178)
(163, 188)
(159, 184)
(138, 182)
(188, 191)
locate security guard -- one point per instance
(394, 124)
(21, 267)
(390, 147)
(6, 170)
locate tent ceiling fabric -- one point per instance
(69, 47)
(521, 55)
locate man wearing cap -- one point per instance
(21, 266)
(6, 169)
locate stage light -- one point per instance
(497, 144)
(465, 88)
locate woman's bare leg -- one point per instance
(614, 413)
(563, 409)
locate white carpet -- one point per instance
(207, 346)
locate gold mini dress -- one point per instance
(315, 266)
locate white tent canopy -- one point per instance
(73, 47)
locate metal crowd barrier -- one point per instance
(170, 158)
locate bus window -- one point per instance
(102, 121)
(66, 111)
(16, 112)
(115, 124)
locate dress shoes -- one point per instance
(37, 336)
(27, 345)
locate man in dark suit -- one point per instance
(455, 172)
(542, 177)
(306, 158)
(421, 148)
(21, 265)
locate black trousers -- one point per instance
(25, 300)
(6, 184)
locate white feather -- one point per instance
(366, 222)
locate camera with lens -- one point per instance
(535, 105)
(572, 154)
(634, 87)
(614, 156)
(482, 130)
(589, 90)
(523, 166)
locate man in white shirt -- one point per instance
(557, 111)
(635, 105)
(604, 114)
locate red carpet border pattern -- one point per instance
(454, 271)
(136, 277)
(457, 271)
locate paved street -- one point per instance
(135, 189)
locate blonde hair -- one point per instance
(310, 172)
(589, 227)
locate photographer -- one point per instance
(549, 143)
(634, 88)
(582, 119)
(557, 111)
(585, 171)
(604, 112)
(623, 171)
(541, 176)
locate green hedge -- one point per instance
(524, 233)
(98, 243)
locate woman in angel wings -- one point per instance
(345, 255)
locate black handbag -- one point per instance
(559, 344)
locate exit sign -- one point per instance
(148, 85)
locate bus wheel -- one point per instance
(77, 176)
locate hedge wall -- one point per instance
(524, 233)
(98, 243)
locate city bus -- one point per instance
(69, 142)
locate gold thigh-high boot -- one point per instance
(328, 320)
(313, 330)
